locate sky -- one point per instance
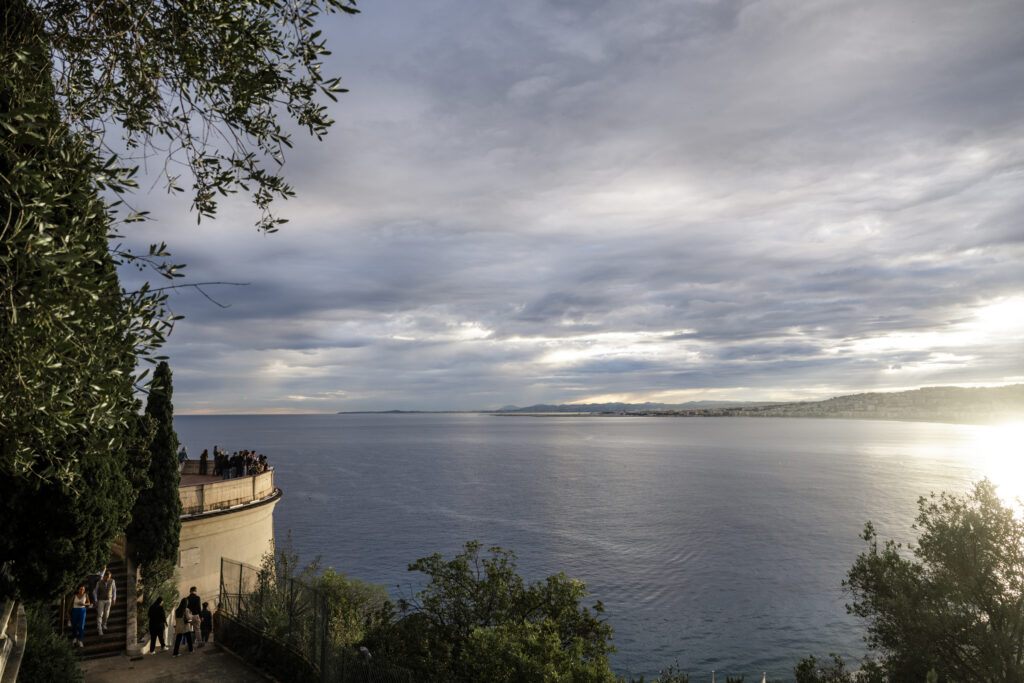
(568, 201)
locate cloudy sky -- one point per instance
(580, 200)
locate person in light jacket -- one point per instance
(182, 626)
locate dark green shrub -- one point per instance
(48, 655)
(673, 674)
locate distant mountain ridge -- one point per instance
(981, 405)
(626, 407)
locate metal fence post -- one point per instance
(323, 637)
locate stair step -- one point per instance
(112, 642)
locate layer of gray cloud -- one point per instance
(555, 201)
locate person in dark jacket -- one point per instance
(195, 606)
(206, 622)
(157, 624)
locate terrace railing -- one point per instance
(227, 493)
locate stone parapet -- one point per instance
(217, 494)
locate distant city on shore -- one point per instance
(975, 405)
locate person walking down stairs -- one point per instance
(111, 620)
(76, 614)
(104, 595)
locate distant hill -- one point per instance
(983, 405)
(627, 407)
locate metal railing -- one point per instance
(284, 626)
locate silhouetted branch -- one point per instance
(199, 288)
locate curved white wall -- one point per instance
(244, 534)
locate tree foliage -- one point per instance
(810, 670)
(478, 620)
(69, 335)
(954, 605)
(198, 82)
(209, 87)
(673, 674)
(354, 606)
(155, 527)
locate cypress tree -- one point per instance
(156, 519)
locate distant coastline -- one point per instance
(958, 405)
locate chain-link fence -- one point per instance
(284, 627)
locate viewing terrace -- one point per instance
(204, 493)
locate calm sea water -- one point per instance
(718, 542)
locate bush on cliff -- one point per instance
(950, 609)
(478, 620)
(354, 606)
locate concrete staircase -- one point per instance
(114, 639)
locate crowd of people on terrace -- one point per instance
(239, 464)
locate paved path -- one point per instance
(207, 664)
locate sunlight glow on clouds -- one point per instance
(1001, 321)
(610, 345)
(555, 201)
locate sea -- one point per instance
(717, 543)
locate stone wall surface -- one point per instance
(245, 534)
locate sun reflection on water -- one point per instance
(1000, 457)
